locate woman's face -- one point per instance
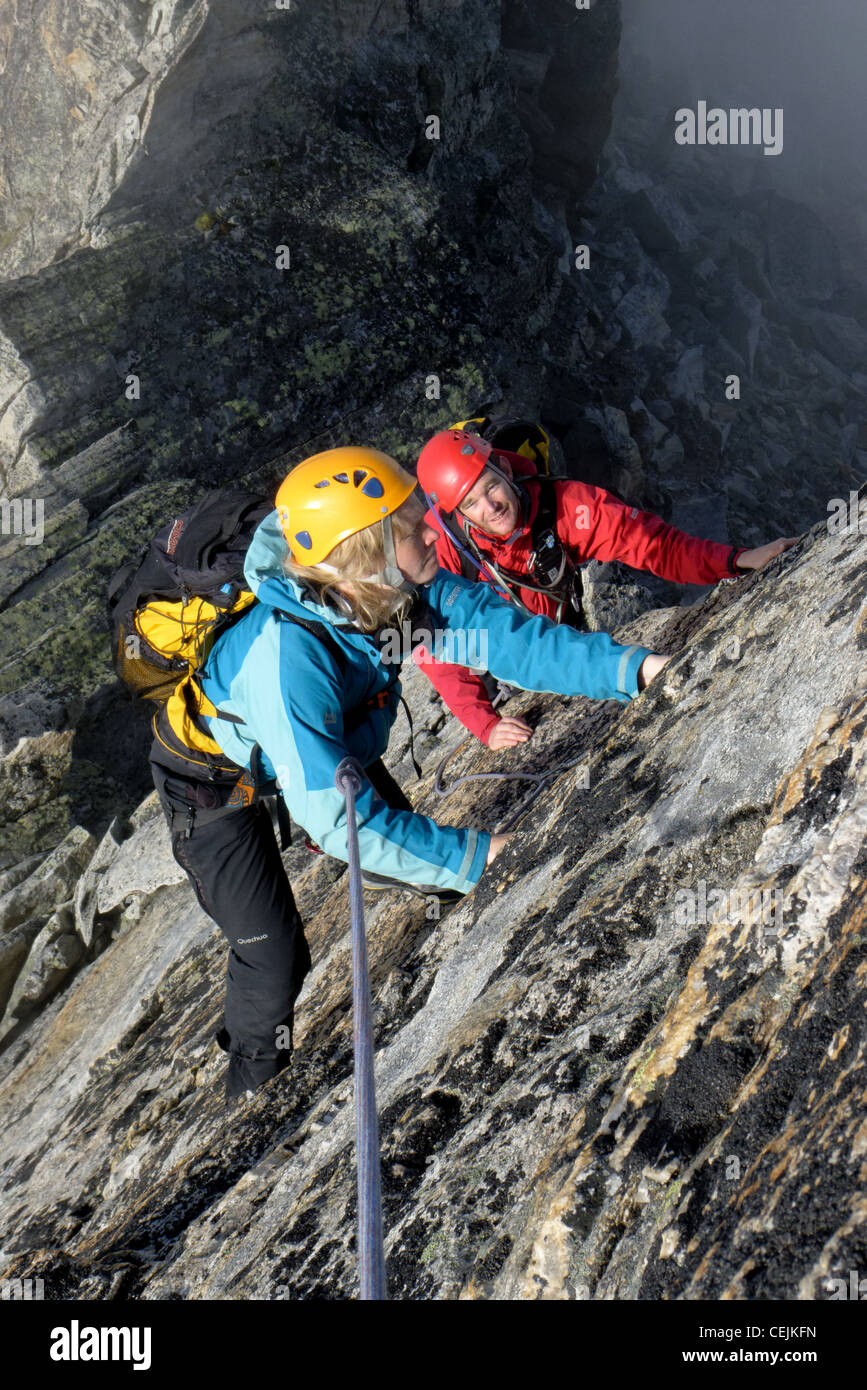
(491, 504)
(416, 554)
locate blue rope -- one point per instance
(371, 1256)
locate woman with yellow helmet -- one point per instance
(304, 680)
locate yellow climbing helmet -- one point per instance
(334, 494)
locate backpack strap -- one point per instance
(250, 784)
(352, 718)
(545, 539)
(320, 631)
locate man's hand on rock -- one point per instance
(758, 558)
(509, 732)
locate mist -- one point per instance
(799, 55)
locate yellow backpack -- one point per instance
(167, 609)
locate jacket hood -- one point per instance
(263, 571)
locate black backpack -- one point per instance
(167, 608)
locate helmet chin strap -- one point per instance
(391, 574)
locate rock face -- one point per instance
(150, 345)
(630, 1064)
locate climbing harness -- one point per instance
(549, 565)
(371, 1255)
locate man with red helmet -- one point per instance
(525, 534)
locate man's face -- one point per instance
(416, 554)
(491, 504)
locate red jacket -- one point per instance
(592, 525)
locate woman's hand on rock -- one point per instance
(650, 667)
(497, 843)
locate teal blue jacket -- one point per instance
(294, 698)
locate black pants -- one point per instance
(233, 862)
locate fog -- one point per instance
(805, 56)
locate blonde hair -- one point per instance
(371, 606)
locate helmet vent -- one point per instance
(303, 539)
(373, 488)
(326, 482)
(340, 478)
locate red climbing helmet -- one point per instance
(449, 465)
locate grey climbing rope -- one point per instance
(371, 1254)
(540, 777)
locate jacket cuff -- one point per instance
(479, 844)
(484, 731)
(735, 551)
(627, 671)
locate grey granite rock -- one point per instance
(539, 1047)
(595, 1082)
